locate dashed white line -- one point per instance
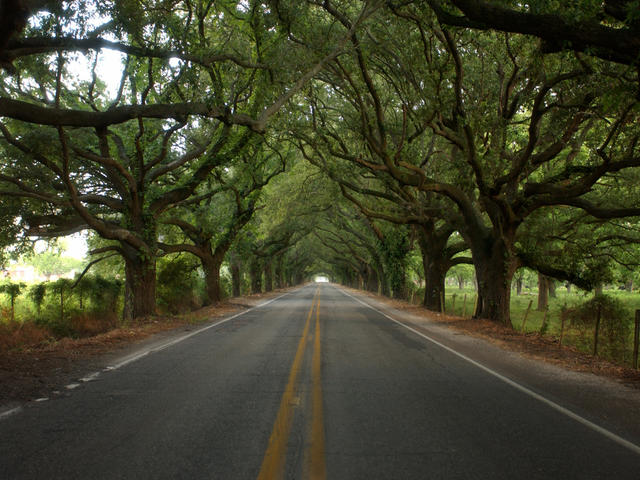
(91, 377)
(8, 413)
(138, 356)
(170, 343)
(565, 411)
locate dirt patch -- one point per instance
(532, 345)
(35, 370)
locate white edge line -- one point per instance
(170, 343)
(10, 412)
(607, 433)
(93, 376)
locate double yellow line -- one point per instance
(274, 458)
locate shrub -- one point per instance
(60, 326)
(37, 293)
(81, 290)
(177, 288)
(15, 335)
(13, 290)
(615, 323)
(104, 294)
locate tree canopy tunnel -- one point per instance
(381, 143)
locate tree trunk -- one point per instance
(372, 279)
(278, 273)
(235, 279)
(551, 283)
(628, 286)
(140, 286)
(599, 290)
(460, 282)
(435, 264)
(268, 277)
(434, 290)
(211, 267)
(384, 282)
(519, 279)
(495, 267)
(543, 293)
(255, 275)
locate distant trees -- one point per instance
(49, 262)
(210, 222)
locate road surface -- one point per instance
(312, 385)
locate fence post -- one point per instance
(561, 330)
(453, 304)
(597, 331)
(543, 327)
(475, 304)
(526, 314)
(443, 308)
(636, 338)
(464, 306)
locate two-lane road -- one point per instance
(311, 385)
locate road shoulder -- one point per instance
(39, 372)
(603, 400)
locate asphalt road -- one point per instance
(311, 385)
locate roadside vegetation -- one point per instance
(579, 309)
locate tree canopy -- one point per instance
(287, 138)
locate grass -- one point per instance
(32, 327)
(582, 339)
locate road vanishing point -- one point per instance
(315, 384)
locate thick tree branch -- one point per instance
(35, 45)
(619, 44)
(35, 114)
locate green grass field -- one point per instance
(579, 337)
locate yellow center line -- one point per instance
(274, 457)
(318, 470)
